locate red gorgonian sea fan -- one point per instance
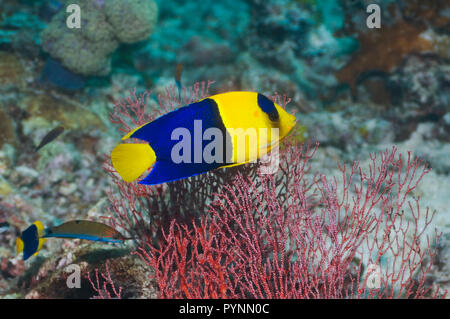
(104, 284)
(363, 241)
(235, 233)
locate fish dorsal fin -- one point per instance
(40, 244)
(40, 229)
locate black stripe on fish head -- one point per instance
(268, 107)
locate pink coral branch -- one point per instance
(236, 234)
(263, 247)
(103, 290)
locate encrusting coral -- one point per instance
(11, 70)
(384, 49)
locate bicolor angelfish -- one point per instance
(31, 241)
(32, 238)
(217, 125)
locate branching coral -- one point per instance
(215, 257)
(102, 290)
(322, 240)
(293, 234)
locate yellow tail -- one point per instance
(131, 160)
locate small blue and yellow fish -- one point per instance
(31, 241)
(217, 125)
(32, 238)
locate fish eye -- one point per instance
(273, 116)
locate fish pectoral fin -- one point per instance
(19, 245)
(41, 243)
(264, 150)
(131, 160)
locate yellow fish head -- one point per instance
(286, 122)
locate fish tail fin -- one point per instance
(131, 160)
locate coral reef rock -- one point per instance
(105, 24)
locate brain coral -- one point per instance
(132, 21)
(104, 25)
